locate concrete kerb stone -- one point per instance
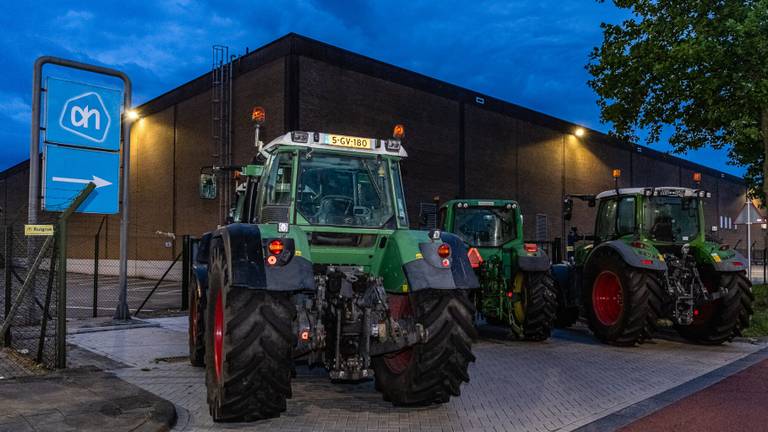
(83, 399)
(648, 406)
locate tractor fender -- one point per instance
(735, 263)
(533, 263)
(200, 261)
(632, 258)
(427, 270)
(463, 274)
(246, 267)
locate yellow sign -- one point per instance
(38, 230)
(716, 257)
(350, 141)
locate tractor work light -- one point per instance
(444, 250)
(616, 173)
(276, 246)
(282, 227)
(648, 192)
(398, 132)
(697, 177)
(392, 145)
(258, 115)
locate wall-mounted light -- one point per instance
(132, 115)
(579, 132)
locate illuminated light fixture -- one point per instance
(579, 132)
(531, 247)
(616, 173)
(304, 335)
(271, 260)
(697, 177)
(276, 247)
(398, 132)
(444, 250)
(258, 115)
(132, 115)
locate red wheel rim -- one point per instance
(607, 298)
(218, 336)
(399, 307)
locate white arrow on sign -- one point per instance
(98, 181)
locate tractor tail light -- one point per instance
(531, 247)
(638, 245)
(738, 263)
(646, 262)
(275, 247)
(444, 250)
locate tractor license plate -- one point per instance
(349, 141)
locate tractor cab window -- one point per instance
(606, 221)
(671, 219)
(278, 190)
(485, 226)
(615, 218)
(345, 190)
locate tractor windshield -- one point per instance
(671, 219)
(485, 226)
(344, 190)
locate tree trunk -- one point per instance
(764, 130)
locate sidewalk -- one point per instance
(736, 403)
(80, 399)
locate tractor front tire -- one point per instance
(621, 302)
(725, 317)
(540, 305)
(433, 371)
(196, 325)
(249, 346)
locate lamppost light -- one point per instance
(132, 115)
(579, 132)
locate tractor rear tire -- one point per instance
(727, 315)
(196, 325)
(620, 301)
(249, 347)
(540, 305)
(429, 372)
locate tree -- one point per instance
(695, 67)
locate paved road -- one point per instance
(558, 385)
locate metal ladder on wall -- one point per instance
(221, 124)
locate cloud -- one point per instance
(73, 19)
(15, 108)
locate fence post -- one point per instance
(61, 305)
(95, 275)
(186, 252)
(8, 278)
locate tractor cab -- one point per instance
(662, 216)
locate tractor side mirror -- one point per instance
(208, 186)
(567, 209)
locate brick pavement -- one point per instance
(561, 384)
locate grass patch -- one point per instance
(759, 325)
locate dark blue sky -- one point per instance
(529, 53)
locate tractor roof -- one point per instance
(327, 141)
(476, 202)
(659, 191)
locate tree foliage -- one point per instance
(696, 68)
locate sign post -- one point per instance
(82, 146)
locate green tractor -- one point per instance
(517, 290)
(649, 266)
(319, 266)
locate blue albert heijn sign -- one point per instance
(82, 115)
(82, 143)
(69, 169)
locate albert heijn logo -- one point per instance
(83, 115)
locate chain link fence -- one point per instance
(35, 329)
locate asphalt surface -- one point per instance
(80, 295)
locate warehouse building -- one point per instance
(460, 144)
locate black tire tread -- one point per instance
(197, 346)
(732, 314)
(441, 363)
(541, 306)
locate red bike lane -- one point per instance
(737, 403)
